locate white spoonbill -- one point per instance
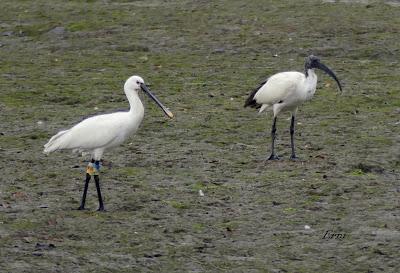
(98, 133)
(285, 91)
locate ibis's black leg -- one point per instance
(293, 156)
(82, 206)
(97, 180)
(273, 156)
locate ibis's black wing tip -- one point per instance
(250, 101)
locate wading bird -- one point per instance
(98, 133)
(285, 91)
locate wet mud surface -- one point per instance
(336, 209)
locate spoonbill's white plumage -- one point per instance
(96, 134)
(285, 91)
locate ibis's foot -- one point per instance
(273, 157)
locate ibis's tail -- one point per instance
(250, 101)
(55, 143)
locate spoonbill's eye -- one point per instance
(137, 82)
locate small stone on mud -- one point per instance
(307, 227)
(201, 193)
(27, 239)
(40, 245)
(144, 58)
(57, 31)
(6, 205)
(44, 246)
(8, 33)
(152, 255)
(219, 50)
(380, 252)
(19, 194)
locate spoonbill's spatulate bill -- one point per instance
(285, 91)
(96, 134)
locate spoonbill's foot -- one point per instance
(294, 158)
(101, 208)
(81, 208)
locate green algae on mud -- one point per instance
(64, 61)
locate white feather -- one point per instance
(96, 132)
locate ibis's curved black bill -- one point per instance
(324, 68)
(153, 97)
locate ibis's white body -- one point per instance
(285, 91)
(95, 134)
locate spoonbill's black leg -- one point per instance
(273, 156)
(82, 206)
(101, 205)
(293, 156)
(97, 180)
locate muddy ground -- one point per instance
(62, 61)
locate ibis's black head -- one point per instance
(314, 62)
